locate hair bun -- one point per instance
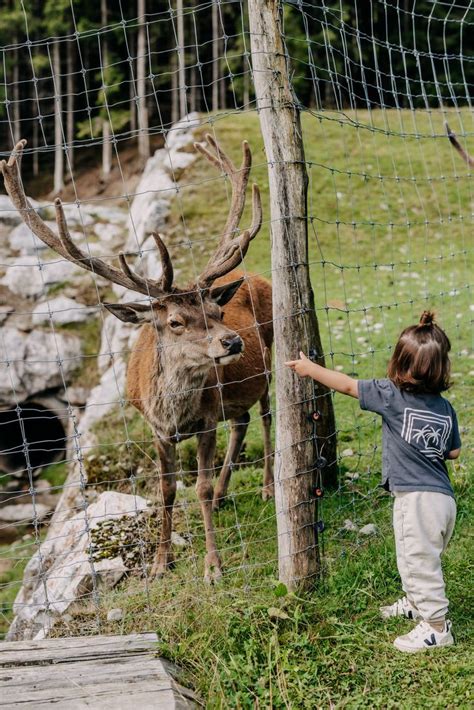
(427, 318)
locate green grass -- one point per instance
(381, 250)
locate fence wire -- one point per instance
(111, 100)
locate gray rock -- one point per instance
(22, 239)
(178, 135)
(349, 526)
(8, 213)
(115, 615)
(157, 185)
(24, 513)
(31, 276)
(34, 362)
(369, 529)
(62, 310)
(62, 570)
(178, 540)
(4, 313)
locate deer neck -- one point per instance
(175, 405)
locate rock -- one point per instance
(349, 526)
(23, 240)
(24, 513)
(9, 214)
(115, 615)
(178, 540)
(106, 396)
(347, 452)
(31, 276)
(157, 185)
(77, 396)
(34, 362)
(369, 529)
(178, 134)
(62, 570)
(110, 234)
(352, 477)
(4, 313)
(62, 310)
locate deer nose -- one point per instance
(232, 343)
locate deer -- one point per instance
(202, 354)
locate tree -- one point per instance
(143, 136)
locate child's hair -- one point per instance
(420, 361)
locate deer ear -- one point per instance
(131, 312)
(222, 294)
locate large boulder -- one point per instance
(29, 276)
(35, 362)
(63, 570)
(9, 214)
(61, 311)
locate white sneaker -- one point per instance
(424, 637)
(401, 607)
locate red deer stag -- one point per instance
(193, 364)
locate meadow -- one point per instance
(390, 234)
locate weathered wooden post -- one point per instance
(296, 326)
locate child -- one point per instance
(419, 431)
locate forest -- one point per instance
(77, 74)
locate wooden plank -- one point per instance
(103, 672)
(75, 648)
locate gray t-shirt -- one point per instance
(418, 431)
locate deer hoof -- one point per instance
(212, 571)
(268, 492)
(160, 567)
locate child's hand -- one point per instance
(302, 367)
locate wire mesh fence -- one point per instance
(111, 100)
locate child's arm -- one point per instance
(332, 379)
(453, 454)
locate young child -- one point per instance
(419, 431)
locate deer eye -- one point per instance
(222, 315)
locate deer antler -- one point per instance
(65, 247)
(454, 142)
(231, 249)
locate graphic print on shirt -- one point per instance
(427, 431)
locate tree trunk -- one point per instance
(181, 59)
(215, 56)
(70, 104)
(131, 84)
(174, 89)
(295, 323)
(143, 135)
(58, 132)
(106, 143)
(16, 98)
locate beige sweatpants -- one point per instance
(423, 522)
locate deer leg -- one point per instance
(239, 427)
(268, 490)
(204, 489)
(164, 557)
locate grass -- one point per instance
(381, 250)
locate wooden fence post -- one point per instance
(295, 323)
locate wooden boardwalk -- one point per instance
(102, 672)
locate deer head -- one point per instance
(180, 316)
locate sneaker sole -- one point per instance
(410, 649)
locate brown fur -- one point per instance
(180, 401)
